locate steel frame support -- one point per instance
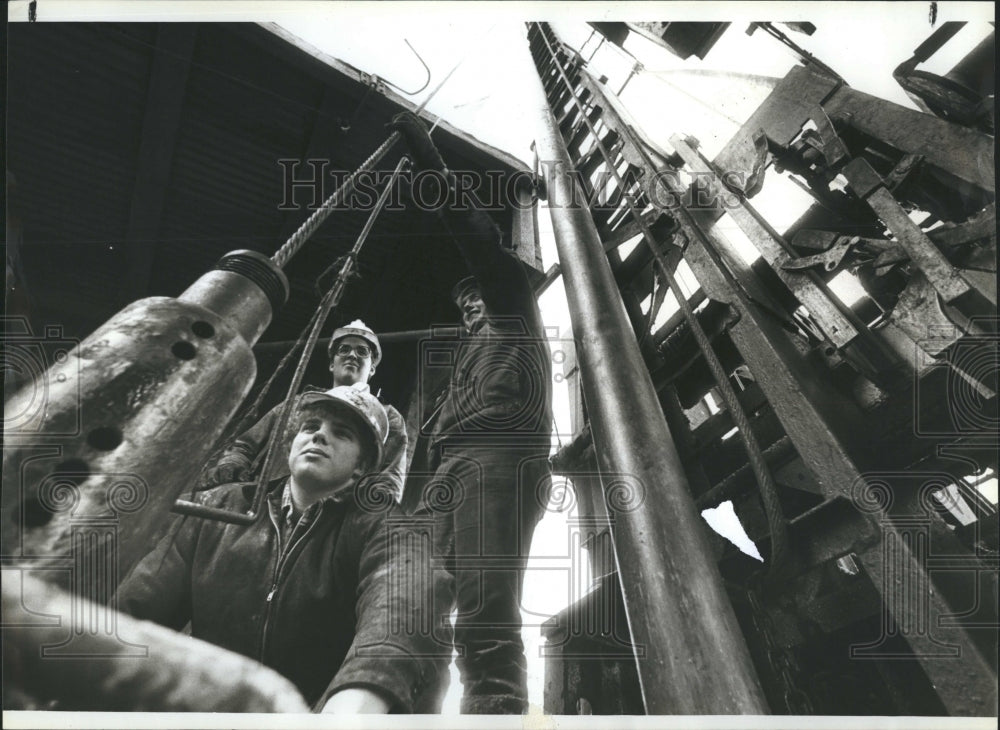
(893, 548)
(834, 319)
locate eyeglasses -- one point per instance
(345, 349)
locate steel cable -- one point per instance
(328, 304)
(298, 239)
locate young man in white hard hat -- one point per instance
(311, 588)
(354, 353)
(490, 433)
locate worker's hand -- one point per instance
(425, 155)
(356, 701)
(232, 467)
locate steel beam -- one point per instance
(962, 152)
(818, 423)
(696, 660)
(834, 320)
(829, 435)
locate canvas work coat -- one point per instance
(330, 605)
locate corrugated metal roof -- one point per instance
(78, 98)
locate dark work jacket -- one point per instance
(314, 607)
(500, 388)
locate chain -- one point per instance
(781, 660)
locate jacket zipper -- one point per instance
(274, 583)
(283, 557)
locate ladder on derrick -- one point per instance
(790, 408)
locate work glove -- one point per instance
(422, 149)
(232, 467)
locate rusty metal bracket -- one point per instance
(829, 259)
(832, 147)
(747, 163)
(882, 252)
(867, 184)
(373, 81)
(810, 290)
(903, 171)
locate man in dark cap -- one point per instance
(489, 439)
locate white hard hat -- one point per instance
(361, 404)
(356, 328)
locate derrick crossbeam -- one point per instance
(863, 503)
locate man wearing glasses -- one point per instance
(354, 353)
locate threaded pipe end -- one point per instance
(259, 269)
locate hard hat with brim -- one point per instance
(363, 408)
(357, 328)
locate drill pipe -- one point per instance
(85, 656)
(695, 659)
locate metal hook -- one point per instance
(426, 83)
